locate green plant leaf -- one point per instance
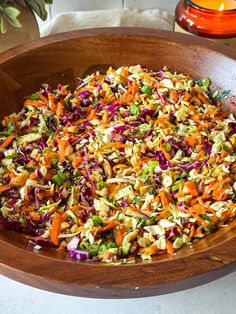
(3, 2)
(11, 15)
(38, 6)
(3, 25)
(21, 2)
(48, 1)
(11, 12)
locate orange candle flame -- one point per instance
(218, 5)
(222, 7)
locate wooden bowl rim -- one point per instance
(14, 259)
(184, 39)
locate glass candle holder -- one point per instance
(215, 20)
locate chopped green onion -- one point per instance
(113, 250)
(123, 192)
(176, 177)
(206, 81)
(97, 221)
(206, 217)
(175, 187)
(146, 89)
(84, 245)
(167, 147)
(93, 249)
(29, 169)
(133, 109)
(73, 229)
(34, 97)
(126, 248)
(183, 174)
(59, 178)
(148, 169)
(103, 247)
(67, 102)
(144, 127)
(111, 245)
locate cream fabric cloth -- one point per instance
(69, 21)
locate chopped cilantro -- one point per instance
(34, 97)
(10, 129)
(222, 95)
(59, 178)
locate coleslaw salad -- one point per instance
(134, 162)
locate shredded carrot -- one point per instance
(187, 96)
(63, 217)
(27, 209)
(64, 149)
(33, 103)
(35, 216)
(113, 145)
(60, 109)
(51, 104)
(7, 141)
(119, 235)
(192, 230)
(199, 148)
(79, 207)
(167, 155)
(6, 120)
(191, 188)
(169, 247)
(164, 212)
(219, 194)
(193, 109)
(153, 249)
(4, 188)
(20, 179)
(56, 228)
(91, 114)
(160, 120)
(220, 115)
(203, 98)
(14, 120)
(174, 95)
(111, 225)
(78, 122)
(49, 158)
(76, 161)
(120, 166)
(197, 231)
(12, 174)
(43, 98)
(141, 162)
(191, 140)
(195, 119)
(164, 198)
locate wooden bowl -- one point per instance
(62, 58)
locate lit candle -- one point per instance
(213, 19)
(216, 4)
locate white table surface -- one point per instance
(217, 297)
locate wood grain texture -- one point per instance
(62, 58)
